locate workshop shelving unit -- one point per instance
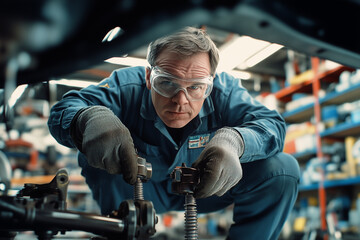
(313, 110)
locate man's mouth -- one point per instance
(177, 112)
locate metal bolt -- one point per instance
(144, 174)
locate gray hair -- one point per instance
(187, 42)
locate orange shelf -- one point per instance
(285, 95)
(19, 182)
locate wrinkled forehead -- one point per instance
(161, 74)
(193, 66)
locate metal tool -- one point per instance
(42, 209)
(184, 182)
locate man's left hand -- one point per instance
(219, 163)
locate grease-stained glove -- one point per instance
(105, 141)
(219, 163)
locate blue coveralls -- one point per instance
(262, 199)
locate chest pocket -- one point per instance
(156, 156)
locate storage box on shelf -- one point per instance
(299, 138)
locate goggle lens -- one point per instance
(168, 85)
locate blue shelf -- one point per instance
(348, 95)
(305, 155)
(304, 113)
(342, 130)
(300, 114)
(331, 183)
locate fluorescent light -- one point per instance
(260, 56)
(73, 83)
(113, 33)
(128, 61)
(244, 52)
(17, 94)
(240, 74)
(238, 50)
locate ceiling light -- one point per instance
(73, 83)
(112, 34)
(128, 61)
(240, 74)
(237, 50)
(244, 52)
(17, 94)
(260, 56)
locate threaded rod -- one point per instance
(138, 190)
(190, 218)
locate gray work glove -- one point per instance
(105, 141)
(219, 163)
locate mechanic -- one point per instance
(179, 110)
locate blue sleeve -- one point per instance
(110, 93)
(262, 130)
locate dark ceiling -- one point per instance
(60, 37)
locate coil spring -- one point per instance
(190, 218)
(138, 191)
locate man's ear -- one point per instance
(147, 78)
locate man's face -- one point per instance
(177, 111)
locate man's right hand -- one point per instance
(105, 141)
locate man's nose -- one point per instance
(180, 98)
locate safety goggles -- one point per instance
(168, 85)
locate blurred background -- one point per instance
(299, 58)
